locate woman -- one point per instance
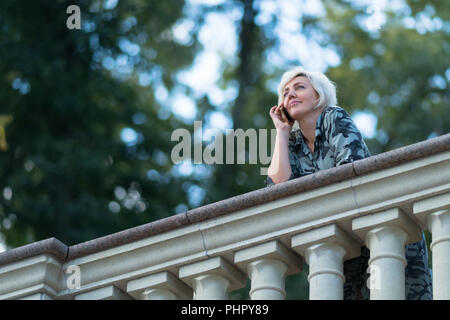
(314, 134)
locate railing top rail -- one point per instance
(48, 246)
(322, 178)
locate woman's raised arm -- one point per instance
(280, 167)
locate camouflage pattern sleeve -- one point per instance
(295, 157)
(345, 139)
(268, 182)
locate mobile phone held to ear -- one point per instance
(287, 114)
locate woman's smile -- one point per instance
(291, 103)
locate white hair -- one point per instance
(323, 86)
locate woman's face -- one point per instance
(299, 97)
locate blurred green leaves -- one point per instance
(89, 142)
(71, 94)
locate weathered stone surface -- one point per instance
(250, 199)
(48, 246)
(401, 155)
(127, 236)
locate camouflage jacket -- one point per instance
(338, 141)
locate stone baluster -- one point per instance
(267, 265)
(325, 249)
(386, 233)
(212, 279)
(159, 286)
(435, 214)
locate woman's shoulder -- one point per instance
(335, 111)
(330, 116)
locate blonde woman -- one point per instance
(313, 134)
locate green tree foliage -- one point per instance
(250, 108)
(68, 172)
(399, 70)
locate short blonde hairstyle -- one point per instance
(323, 86)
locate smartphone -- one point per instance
(287, 115)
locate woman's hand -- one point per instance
(280, 120)
(280, 168)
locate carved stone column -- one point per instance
(267, 265)
(386, 233)
(212, 279)
(158, 286)
(325, 250)
(387, 262)
(435, 213)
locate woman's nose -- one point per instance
(292, 93)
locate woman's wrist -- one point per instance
(284, 132)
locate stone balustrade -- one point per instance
(383, 202)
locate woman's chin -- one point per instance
(300, 112)
(297, 114)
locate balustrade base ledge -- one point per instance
(64, 254)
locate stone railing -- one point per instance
(383, 202)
